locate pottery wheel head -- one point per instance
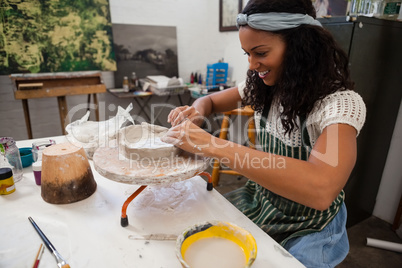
(142, 158)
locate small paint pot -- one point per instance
(7, 185)
(37, 171)
(26, 156)
(216, 244)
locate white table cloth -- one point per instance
(88, 233)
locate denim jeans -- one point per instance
(327, 248)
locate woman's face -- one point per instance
(265, 53)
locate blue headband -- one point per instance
(275, 21)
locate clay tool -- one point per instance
(159, 237)
(38, 256)
(61, 263)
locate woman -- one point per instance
(307, 117)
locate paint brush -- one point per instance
(61, 263)
(38, 256)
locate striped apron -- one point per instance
(281, 218)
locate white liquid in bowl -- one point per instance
(215, 252)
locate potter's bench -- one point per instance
(88, 233)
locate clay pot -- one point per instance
(66, 174)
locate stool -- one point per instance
(246, 111)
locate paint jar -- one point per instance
(134, 82)
(126, 84)
(11, 157)
(7, 185)
(37, 171)
(38, 147)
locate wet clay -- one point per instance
(144, 141)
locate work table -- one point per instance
(88, 233)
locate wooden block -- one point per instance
(59, 91)
(58, 80)
(31, 86)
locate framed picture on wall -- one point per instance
(228, 10)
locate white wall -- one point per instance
(390, 190)
(198, 36)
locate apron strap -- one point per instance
(304, 133)
(264, 116)
(303, 124)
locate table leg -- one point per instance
(142, 107)
(88, 102)
(27, 118)
(181, 102)
(124, 219)
(97, 106)
(63, 113)
(156, 120)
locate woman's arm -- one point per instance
(221, 101)
(314, 183)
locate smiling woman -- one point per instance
(307, 117)
(265, 53)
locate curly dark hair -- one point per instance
(314, 65)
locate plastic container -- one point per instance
(26, 156)
(38, 147)
(217, 73)
(10, 151)
(37, 171)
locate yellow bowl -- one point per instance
(216, 230)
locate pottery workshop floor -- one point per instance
(360, 255)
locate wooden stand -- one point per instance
(60, 85)
(66, 174)
(124, 219)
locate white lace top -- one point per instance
(342, 107)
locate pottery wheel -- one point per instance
(113, 166)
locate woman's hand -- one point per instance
(179, 114)
(188, 137)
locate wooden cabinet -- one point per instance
(374, 47)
